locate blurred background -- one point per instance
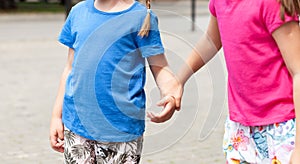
(32, 60)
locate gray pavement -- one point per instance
(31, 62)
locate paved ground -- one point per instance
(31, 61)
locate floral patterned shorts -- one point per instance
(79, 150)
(271, 144)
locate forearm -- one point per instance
(296, 89)
(207, 47)
(201, 54)
(191, 65)
(161, 72)
(163, 77)
(57, 109)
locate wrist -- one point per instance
(56, 114)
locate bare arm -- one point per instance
(207, 47)
(288, 39)
(56, 125)
(168, 85)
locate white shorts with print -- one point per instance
(259, 144)
(79, 150)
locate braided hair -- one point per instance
(144, 31)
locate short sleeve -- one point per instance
(66, 36)
(151, 45)
(211, 7)
(271, 15)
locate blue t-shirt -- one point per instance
(104, 97)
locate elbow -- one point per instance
(294, 71)
(296, 75)
(293, 68)
(67, 70)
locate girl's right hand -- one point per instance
(57, 134)
(169, 105)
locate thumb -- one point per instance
(178, 104)
(162, 101)
(61, 134)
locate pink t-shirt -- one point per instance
(259, 84)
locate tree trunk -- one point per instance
(68, 6)
(7, 4)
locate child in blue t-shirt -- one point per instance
(99, 113)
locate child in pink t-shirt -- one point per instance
(261, 43)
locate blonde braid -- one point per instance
(144, 31)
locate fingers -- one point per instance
(57, 134)
(178, 96)
(57, 141)
(165, 100)
(56, 144)
(159, 118)
(61, 134)
(162, 102)
(169, 108)
(178, 103)
(165, 115)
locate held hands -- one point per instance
(169, 103)
(57, 134)
(169, 86)
(172, 88)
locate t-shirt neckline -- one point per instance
(91, 4)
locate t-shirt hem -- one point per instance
(277, 25)
(158, 51)
(66, 43)
(107, 138)
(260, 122)
(211, 8)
